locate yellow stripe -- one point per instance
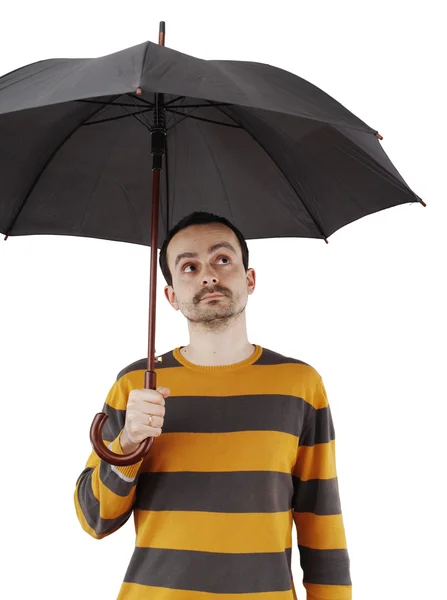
(290, 379)
(316, 462)
(134, 591)
(214, 532)
(119, 392)
(249, 450)
(93, 459)
(111, 506)
(328, 592)
(130, 471)
(320, 532)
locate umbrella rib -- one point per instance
(115, 104)
(173, 115)
(201, 105)
(122, 105)
(149, 127)
(146, 102)
(173, 100)
(174, 112)
(119, 117)
(319, 227)
(9, 228)
(188, 116)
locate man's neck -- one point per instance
(213, 354)
(211, 347)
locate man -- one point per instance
(244, 447)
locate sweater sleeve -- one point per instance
(105, 494)
(317, 513)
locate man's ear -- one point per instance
(170, 295)
(251, 280)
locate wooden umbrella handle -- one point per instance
(119, 460)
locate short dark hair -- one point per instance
(198, 218)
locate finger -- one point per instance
(149, 398)
(156, 422)
(148, 431)
(164, 391)
(152, 409)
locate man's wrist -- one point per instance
(126, 445)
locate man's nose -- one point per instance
(209, 276)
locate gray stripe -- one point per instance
(222, 414)
(325, 567)
(90, 507)
(257, 412)
(318, 496)
(168, 361)
(318, 426)
(114, 481)
(268, 357)
(227, 492)
(212, 572)
(114, 423)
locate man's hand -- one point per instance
(141, 404)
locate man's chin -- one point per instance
(210, 316)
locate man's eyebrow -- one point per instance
(211, 249)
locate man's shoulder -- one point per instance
(271, 357)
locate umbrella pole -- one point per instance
(150, 375)
(158, 138)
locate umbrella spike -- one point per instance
(378, 136)
(161, 33)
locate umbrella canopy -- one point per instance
(260, 146)
(256, 144)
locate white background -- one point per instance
(368, 310)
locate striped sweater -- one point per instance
(246, 450)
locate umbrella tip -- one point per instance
(325, 239)
(6, 237)
(378, 136)
(422, 202)
(161, 34)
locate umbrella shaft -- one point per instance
(150, 374)
(158, 143)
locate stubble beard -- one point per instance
(212, 317)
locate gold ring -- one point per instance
(150, 420)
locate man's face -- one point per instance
(197, 272)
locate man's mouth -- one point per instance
(211, 296)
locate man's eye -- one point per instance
(194, 267)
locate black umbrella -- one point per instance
(266, 149)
